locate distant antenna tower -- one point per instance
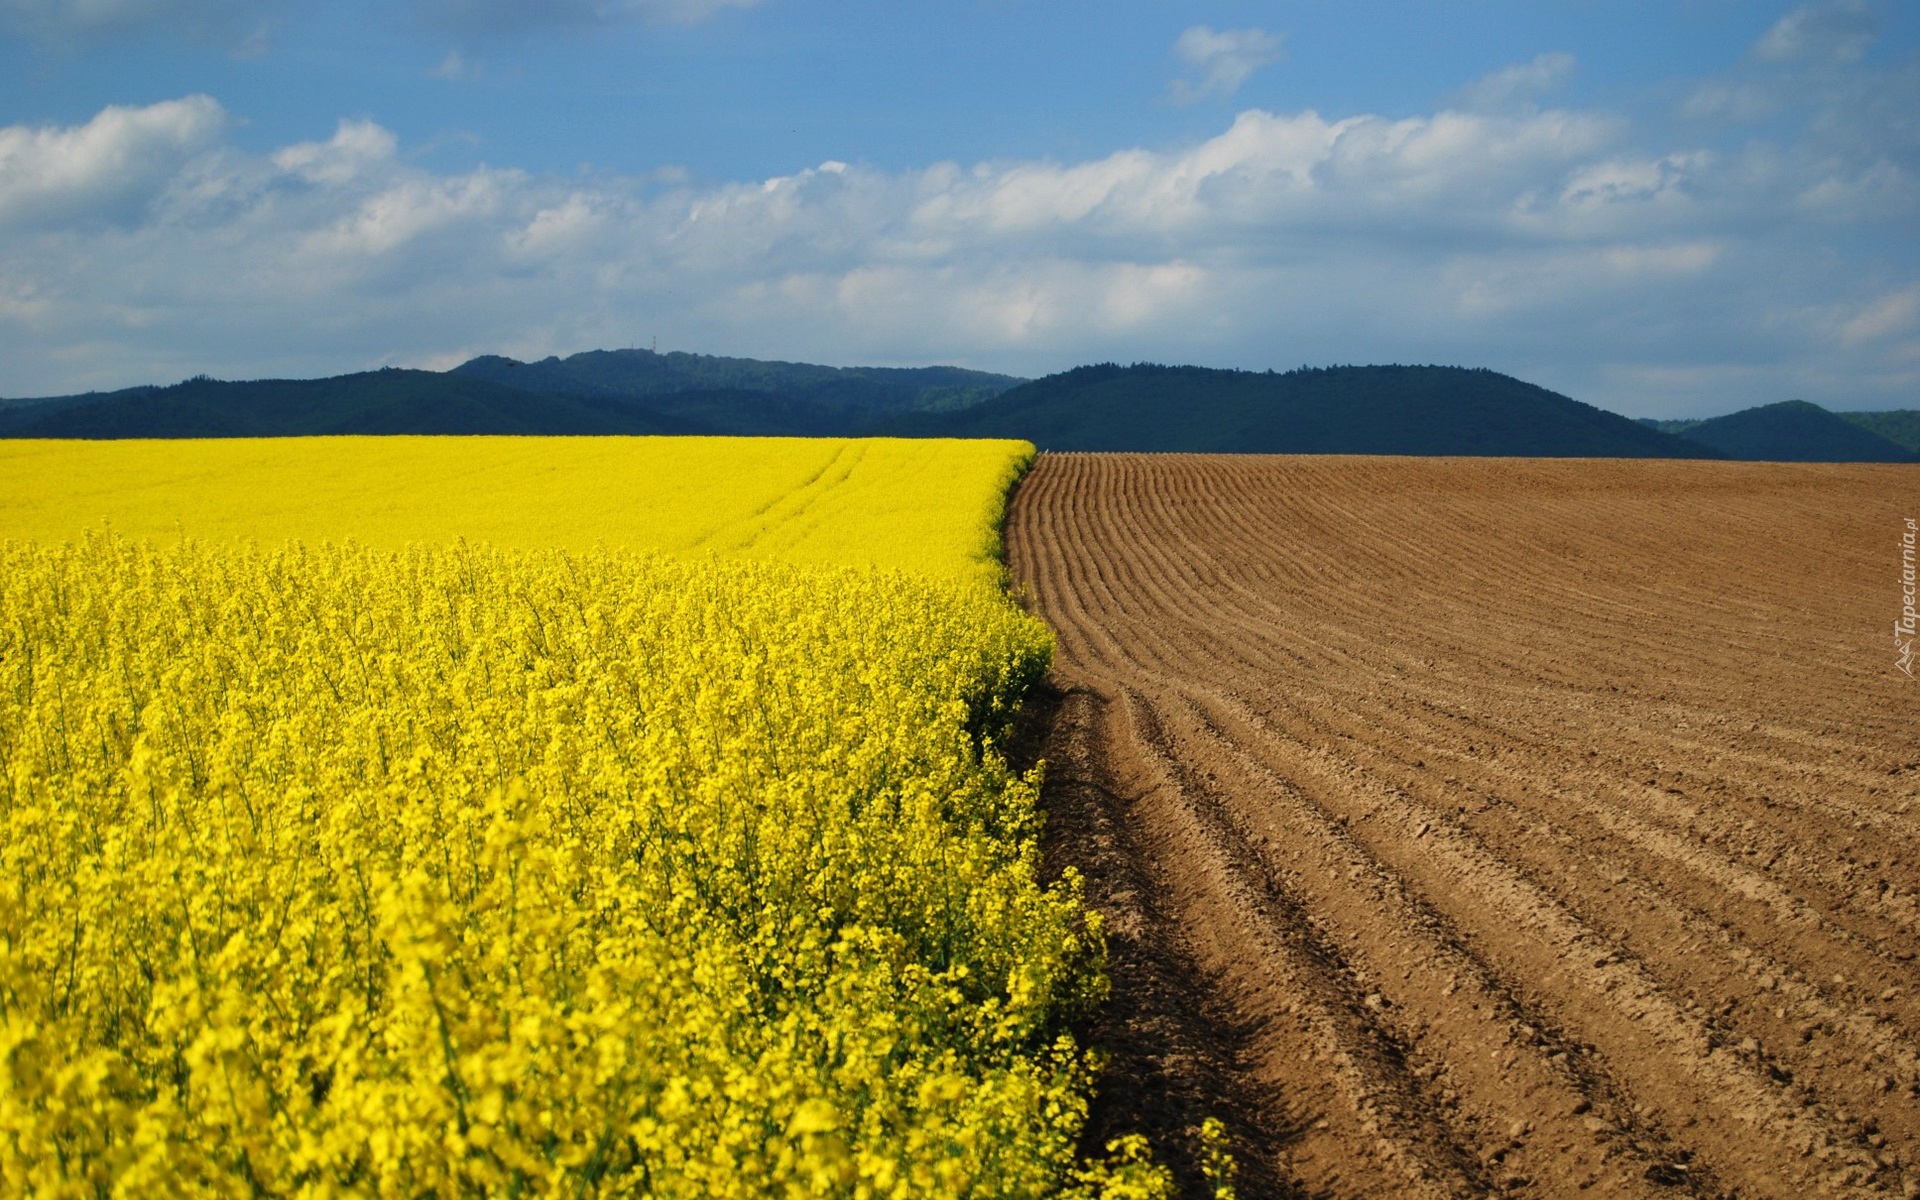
(656, 346)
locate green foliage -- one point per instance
(1216, 1161)
(1127, 1173)
(1795, 431)
(744, 395)
(1900, 426)
(1333, 410)
(373, 402)
(598, 392)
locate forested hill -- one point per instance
(599, 392)
(373, 402)
(1796, 431)
(1901, 426)
(1330, 410)
(808, 398)
(1326, 410)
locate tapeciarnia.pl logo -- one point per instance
(1904, 627)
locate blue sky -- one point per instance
(1665, 209)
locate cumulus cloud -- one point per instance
(1835, 32)
(141, 246)
(109, 171)
(355, 147)
(1222, 59)
(1515, 87)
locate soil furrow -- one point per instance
(1473, 826)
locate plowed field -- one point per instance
(1472, 826)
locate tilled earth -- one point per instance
(1471, 826)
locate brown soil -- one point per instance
(1470, 825)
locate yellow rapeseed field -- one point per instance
(930, 506)
(538, 865)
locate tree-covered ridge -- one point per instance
(1797, 431)
(598, 392)
(1419, 410)
(372, 402)
(828, 397)
(1900, 426)
(1414, 410)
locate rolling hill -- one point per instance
(1333, 410)
(1408, 410)
(597, 392)
(1790, 431)
(372, 402)
(1900, 426)
(1797, 431)
(744, 395)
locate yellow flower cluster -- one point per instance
(447, 871)
(926, 505)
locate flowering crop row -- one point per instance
(458, 870)
(923, 505)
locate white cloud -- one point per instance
(354, 148)
(140, 246)
(1515, 87)
(1223, 59)
(405, 212)
(1835, 32)
(1302, 170)
(1884, 317)
(1634, 182)
(109, 170)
